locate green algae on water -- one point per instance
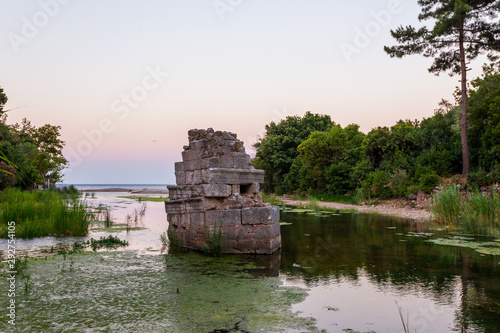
(130, 292)
(483, 247)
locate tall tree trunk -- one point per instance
(463, 118)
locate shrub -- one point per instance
(376, 185)
(7, 176)
(399, 183)
(478, 178)
(428, 181)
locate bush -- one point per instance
(376, 185)
(399, 183)
(428, 181)
(477, 179)
(7, 176)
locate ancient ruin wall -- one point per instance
(217, 186)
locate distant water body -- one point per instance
(83, 187)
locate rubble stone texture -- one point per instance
(217, 187)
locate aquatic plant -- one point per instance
(406, 325)
(474, 213)
(110, 242)
(171, 241)
(42, 213)
(446, 205)
(214, 241)
(313, 204)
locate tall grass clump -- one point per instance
(447, 204)
(474, 213)
(481, 214)
(42, 213)
(214, 242)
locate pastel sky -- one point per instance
(127, 79)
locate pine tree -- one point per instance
(463, 29)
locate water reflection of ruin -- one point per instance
(218, 189)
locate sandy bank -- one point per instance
(391, 208)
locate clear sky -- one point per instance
(127, 79)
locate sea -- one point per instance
(132, 187)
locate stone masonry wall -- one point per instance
(218, 186)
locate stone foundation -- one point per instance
(217, 187)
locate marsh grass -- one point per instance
(42, 213)
(313, 204)
(272, 199)
(214, 242)
(110, 242)
(171, 241)
(474, 213)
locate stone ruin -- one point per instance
(217, 187)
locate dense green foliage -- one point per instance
(386, 162)
(42, 213)
(278, 150)
(29, 155)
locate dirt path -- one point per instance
(388, 208)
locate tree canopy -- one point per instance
(462, 29)
(29, 155)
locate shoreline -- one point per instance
(126, 190)
(390, 208)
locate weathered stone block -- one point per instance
(197, 219)
(262, 232)
(180, 178)
(216, 190)
(235, 176)
(196, 144)
(226, 161)
(241, 160)
(190, 155)
(189, 177)
(192, 165)
(260, 215)
(184, 192)
(179, 166)
(185, 206)
(230, 217)
(197, 177)
(210, 162)
(230, 233)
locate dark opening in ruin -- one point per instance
(246, 189)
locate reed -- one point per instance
(475, 213)
(42, 213)
(214, 242)
(447, 204)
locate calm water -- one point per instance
(336, 272)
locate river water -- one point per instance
(341, 272)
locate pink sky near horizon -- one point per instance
(189, 65)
